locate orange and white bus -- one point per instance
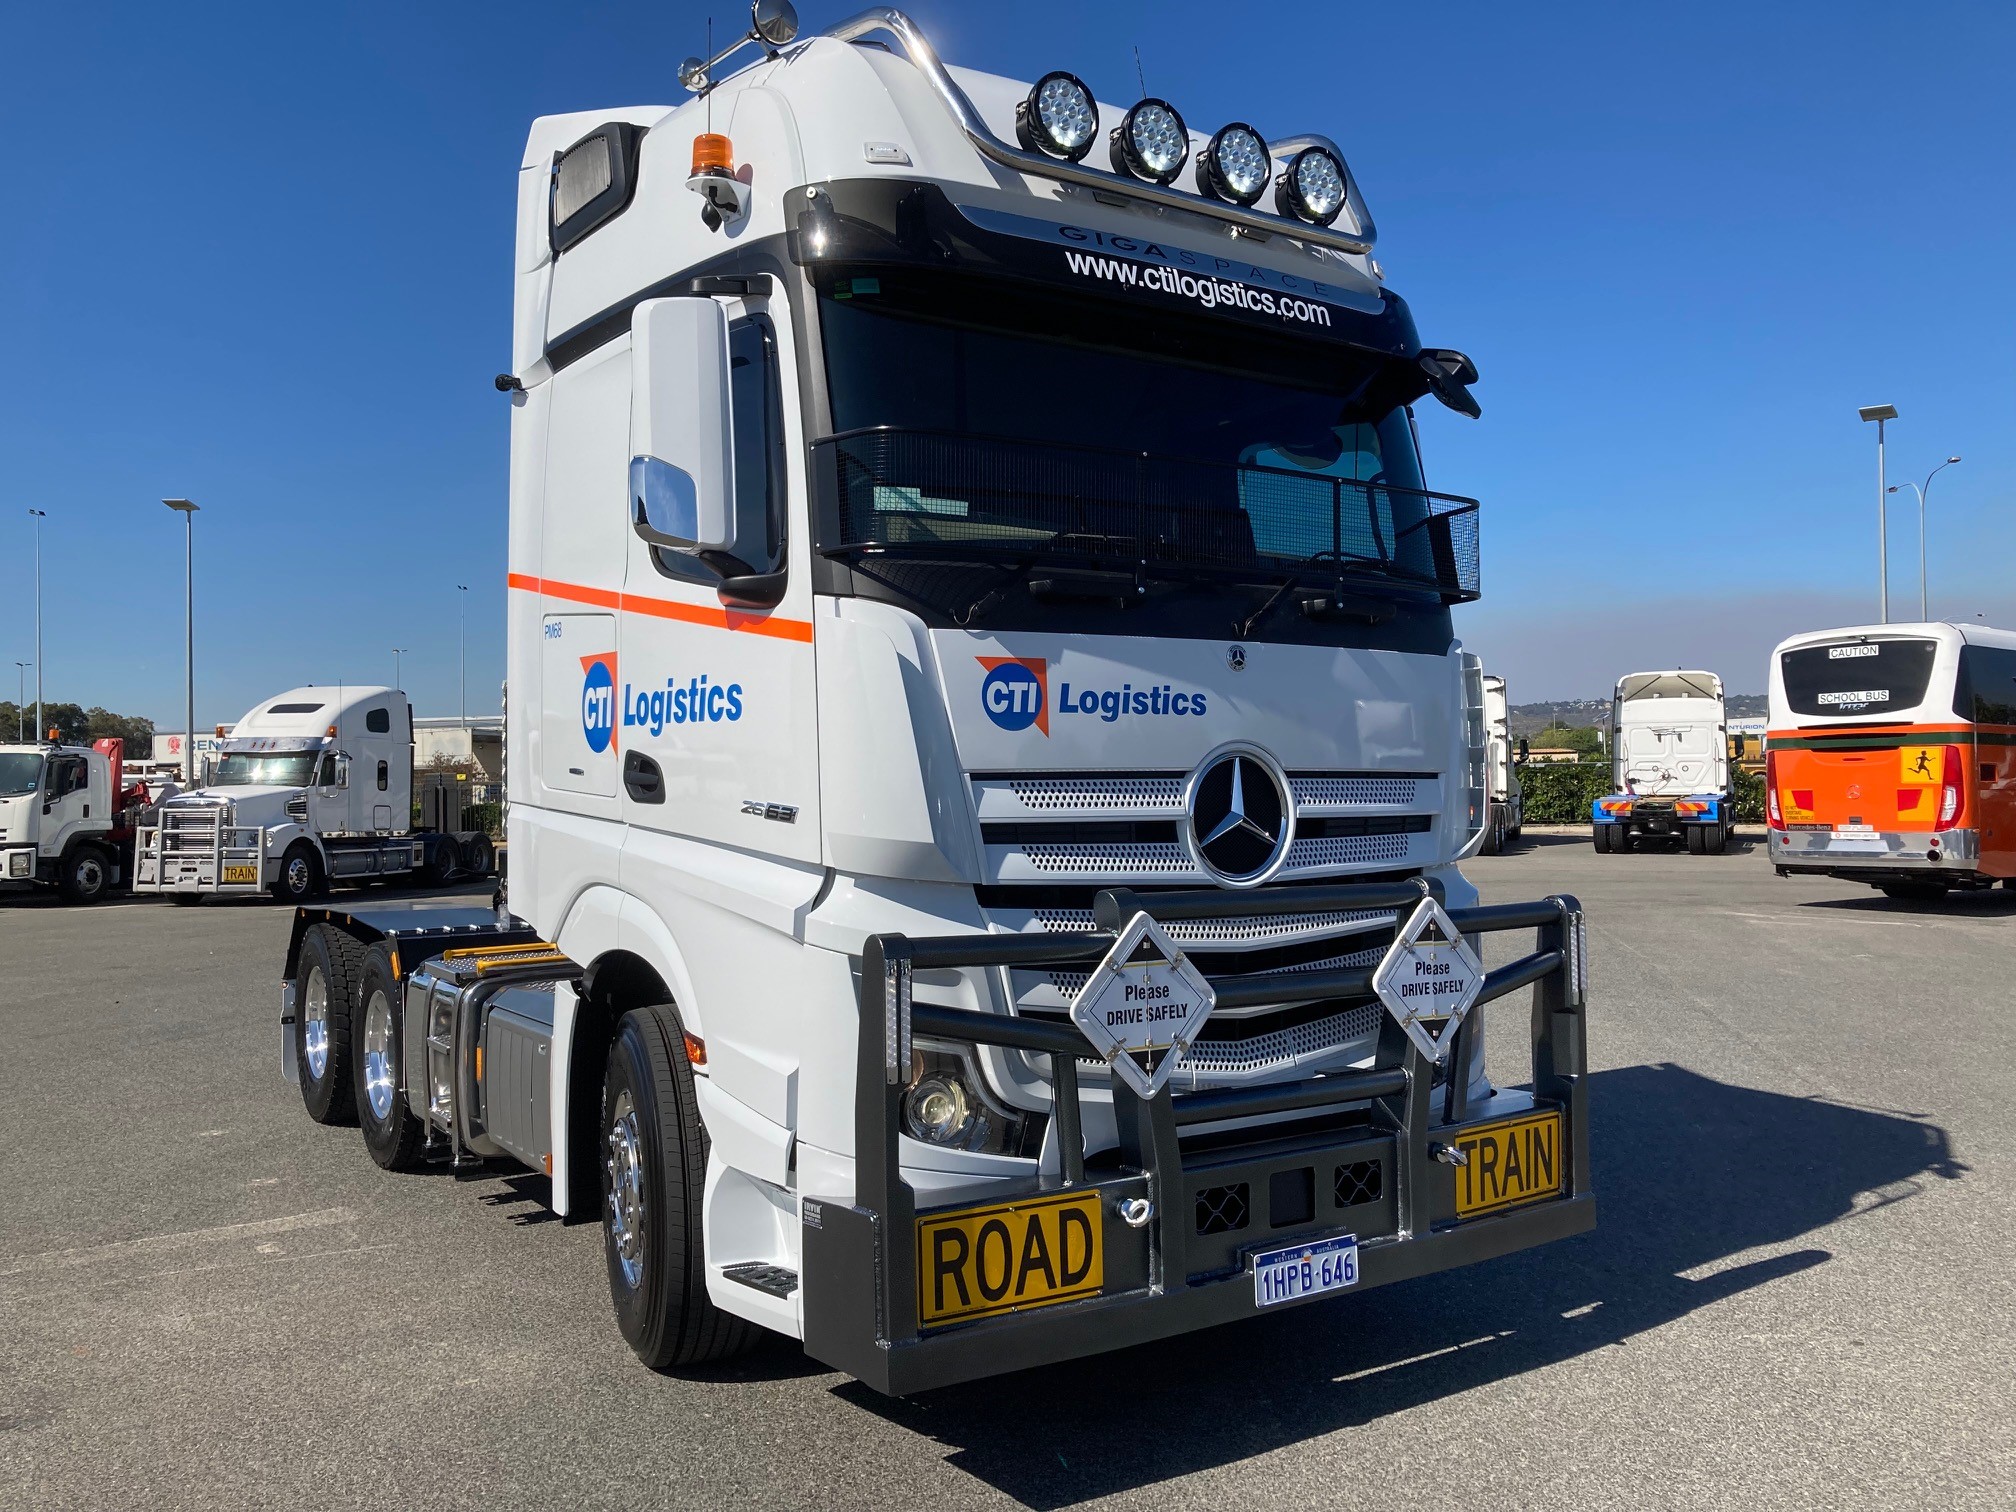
(1891, 757)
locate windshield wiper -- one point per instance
(1338, 601)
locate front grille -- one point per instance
(1223, 1209)
(1100, 793)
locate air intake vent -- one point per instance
(1222, 1209)
(297, 809)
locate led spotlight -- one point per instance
(1060, 117)
(1234, 164)
(1151, 142)
(1311, 187)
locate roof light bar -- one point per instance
(1312, 187)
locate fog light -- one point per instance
(1059, 117)
(1234, 164)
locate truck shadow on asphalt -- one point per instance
(1766, 1170)
(1996, 903)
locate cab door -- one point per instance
(66, 801)
(328, 803)
(716, 700)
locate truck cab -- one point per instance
(1670, 763)
(59, 810)
(1507, 796)
(312, 785)
(941, 562)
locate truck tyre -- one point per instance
(479, 856)
(654, 1166)
(1719, 838)
(300, 874)
(1621, 838)
(185, 900)
(1913, 892)
(325, 992)
(1697, 839)
(391, 1133)
(1603, 837)
(84, 875)
(444, 857)
(1494, 831)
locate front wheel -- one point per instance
(300, 874)
(85, 874)
(654, 1166)
(391, 1133)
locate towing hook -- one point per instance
(1135, 1211)
(1449, 1155)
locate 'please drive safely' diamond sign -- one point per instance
(1429, 979)
(1143, 1005)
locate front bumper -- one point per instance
(195, 851)
(1358, 1155)
(1834, 852)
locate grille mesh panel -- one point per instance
(1347, 850)
(1104, 860)
(1335, 792)
(1096, 794)
(1283, 1045)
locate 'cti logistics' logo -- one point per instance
(598, 700)
(1016, 691)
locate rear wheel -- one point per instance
(325, 990)
(479, 856)
(443, 857)
(1599, 836)
(1697, 839)
(1719, 838)
(1494, 831)
(391, 1133)
(654, 1166)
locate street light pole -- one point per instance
(21, 700)
(397, 652)
(462, 652)
(188, 512)
(1921, 489)
(1880, 413)
(40, 516)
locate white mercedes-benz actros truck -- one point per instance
(989, 756)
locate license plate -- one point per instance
(976, 1262)
(1509, 1163)
(242, 874)
(1305, 1270)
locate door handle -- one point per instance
(641, 778)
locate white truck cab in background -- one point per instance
(1670, 764)
(929, 548)
(66, 818)
(311, 786)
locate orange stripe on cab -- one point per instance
(692, 614)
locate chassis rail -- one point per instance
(861, 1300)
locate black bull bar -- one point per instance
(1163, 1276)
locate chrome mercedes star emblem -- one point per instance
(1241, 821)
(1235, 658)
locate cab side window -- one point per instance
(384, 775)
(327, 776)
(378, 721)
(67, 775)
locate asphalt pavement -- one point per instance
(1800, 1291)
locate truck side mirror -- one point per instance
(1524, 749)
(342, 770)
(681, 472)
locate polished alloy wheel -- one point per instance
(381, 1066)
(90, 874)
(297, 875)
(626, 1189)
(315, 1023)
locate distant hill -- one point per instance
(1579, 713)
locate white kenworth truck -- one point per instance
(989, 755)
(311, 787)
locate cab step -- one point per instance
(777, 1280)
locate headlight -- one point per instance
(947, 1104)
(1151, 142)
(1060, 117)
(1234, 165)
(1311, 188)
(18, 864)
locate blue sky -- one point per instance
(260, 256)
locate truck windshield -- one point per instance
(1858, 677)
(264, 769)
(20, 772)
(989, 421)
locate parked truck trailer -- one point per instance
(989, 753)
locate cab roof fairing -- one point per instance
(334, 703)
(1949, 632)
(805, 118)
